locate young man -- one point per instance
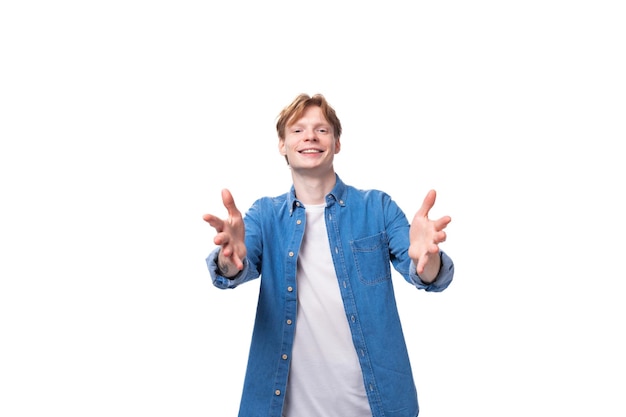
(327, 339)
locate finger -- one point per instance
(232, 257)
(216, 222)
(429, 202)
(441, 223)
(238, 261)
(421, 262)
(221, 239)
(208, 218)
(229, 203)
(226, 253)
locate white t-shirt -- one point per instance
(325, 379)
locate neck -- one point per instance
(313, 189)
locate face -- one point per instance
(310, 142)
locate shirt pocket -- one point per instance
(371, 258)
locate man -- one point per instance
(327, 339)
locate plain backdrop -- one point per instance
(121, 121)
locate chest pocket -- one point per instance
(371, 257)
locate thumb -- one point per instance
(229, 202)
(429, 202)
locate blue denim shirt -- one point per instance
(367, 233)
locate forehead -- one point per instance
(311, 114)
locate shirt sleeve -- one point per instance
(443, 279)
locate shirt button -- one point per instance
(288, 321)
(289, 289)
(284, 356)
(277, 392)
(353, 318)
(298, 221)
(290, 254)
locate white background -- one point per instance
(121, 121)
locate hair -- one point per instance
(293, 112)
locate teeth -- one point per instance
(310, 151)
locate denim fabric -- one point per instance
(368, 233)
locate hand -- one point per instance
(425, 236)
(230, 236)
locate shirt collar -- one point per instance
(338, 194)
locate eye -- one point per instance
(322, 130)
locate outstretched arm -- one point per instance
(425, 236)
(230, 237)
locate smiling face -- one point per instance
(310, 143)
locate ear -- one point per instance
(337, 145)
(281, 147)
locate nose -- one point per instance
(311, 135)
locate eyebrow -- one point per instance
(328, 125)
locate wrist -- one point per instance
(226, 270)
